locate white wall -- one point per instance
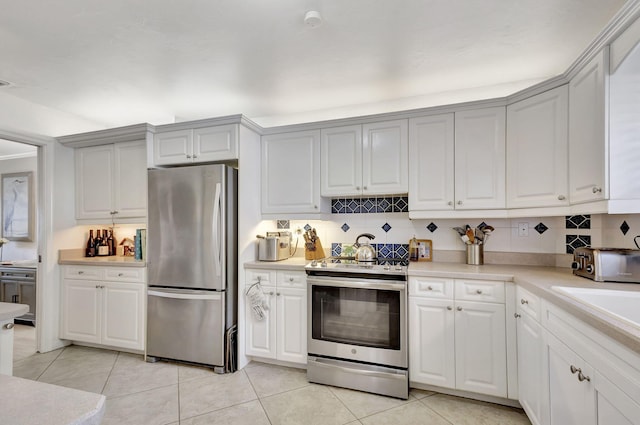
(18, 250)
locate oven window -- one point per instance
(365, 317)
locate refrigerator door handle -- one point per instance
(185, 296)
(216, 229)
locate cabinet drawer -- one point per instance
(431, 287)
(83, 272)
(528, 303)
(265, 277)
(480, 290)
(291, 279)
(124, 274)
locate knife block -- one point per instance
(313, 250)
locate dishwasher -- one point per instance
(18, 285)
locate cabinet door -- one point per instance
(480, 159)
(218, 143)
(94, 181)
(431, 142)
(291, 173)
(385, 158)
(261, 334)
(81, 311)
(531, 368)
(173, 147)
(537, 150)
(571, 400)
(588, 132)
(614, 407)
(123, 315)
(432, 342)
(341, 161)
(481, 350)
(292, 325)
(130, 179)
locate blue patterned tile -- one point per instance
(624, 227)
(345, 227)
(335, 206)
(353, 206)
(336, 249)
(386, 227)
(385, 250)
(401, 250)
(307, 227)
(283, 224)
(432, 227)
(541, 228)
(384, 205)
(368, 205)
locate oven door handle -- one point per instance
(358, 283)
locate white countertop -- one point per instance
(27, 402)
(535, 279)
(75, 257)
(10, 310)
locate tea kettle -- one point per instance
(365, 254)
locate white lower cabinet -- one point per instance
(98, 311)
(282, 334)
(456, 342)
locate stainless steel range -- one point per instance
(357, 327)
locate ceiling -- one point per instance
(122, 62)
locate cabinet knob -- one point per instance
(357, 187)
(516, 315)
(195, 156)
(120, 274)
(188, 156)
(449, 308)
(271, 293)
(596, 189)
(479, 291)
(582, 377)
(291, 279)
(459, 202)
(8, 326)
(561, 198)
(97, 286)
(574, 369)
(523, 301)
(430, 288)
(459, 308)
(450, 203)
(315, 207)
(364, 188)
(277, 294)
(80, 272)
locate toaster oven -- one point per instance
(607, 264)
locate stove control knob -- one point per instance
(324, 263)
(399, 268)
(386, 267)
(589, 268)
(314, 263)
(575, 265)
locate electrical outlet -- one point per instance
(523, 229)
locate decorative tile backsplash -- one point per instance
(541, 228)
(432, 227)
(578, 222)
(385, 251)
(384, 204)
(283, 224)
(577, 241)
(624, 228)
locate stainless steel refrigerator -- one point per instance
(192, 265)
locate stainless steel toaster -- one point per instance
(274, 247)
(607, 264)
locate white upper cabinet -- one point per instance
(431, 159)
(588, 132)
(197, 145)
(291, 173)
(480, 159)
(368, 159)
(111, 180)
(537, 149)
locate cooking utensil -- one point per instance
(365, 254)
(635, 241)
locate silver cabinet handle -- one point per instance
(523, 301)
(459, 308)
(561, 198)
(596, 189)
(574, 369)
(8, 326)
(459, 202)
(516, 315)
(449, 308)
(479, 291)
(582, 377)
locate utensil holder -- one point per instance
(475, 254)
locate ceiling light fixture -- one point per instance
(313, 19)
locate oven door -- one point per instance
(358, 319)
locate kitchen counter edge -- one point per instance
(291, 264)
(74, 257)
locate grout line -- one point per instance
(51, 362)
(257, 396)
(110, 372)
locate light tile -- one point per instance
(408, 414)
(363, 404)
(73, 364)
(131, 374)
(271, 379)
(188, 372)
(93, 382)
(34, 366)
(250, 413)
(158, 406)
(419, 394)
(204, 395)
(311, 405)
(471, 412)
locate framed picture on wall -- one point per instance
(17, 206)
(425, 250)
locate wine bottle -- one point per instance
(413, 249)
(111, 243)
(91, 246)
(103, 248)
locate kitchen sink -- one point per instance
(623, 305)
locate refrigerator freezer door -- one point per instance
(186, 325)
(187, 227)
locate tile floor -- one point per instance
(260, 394)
